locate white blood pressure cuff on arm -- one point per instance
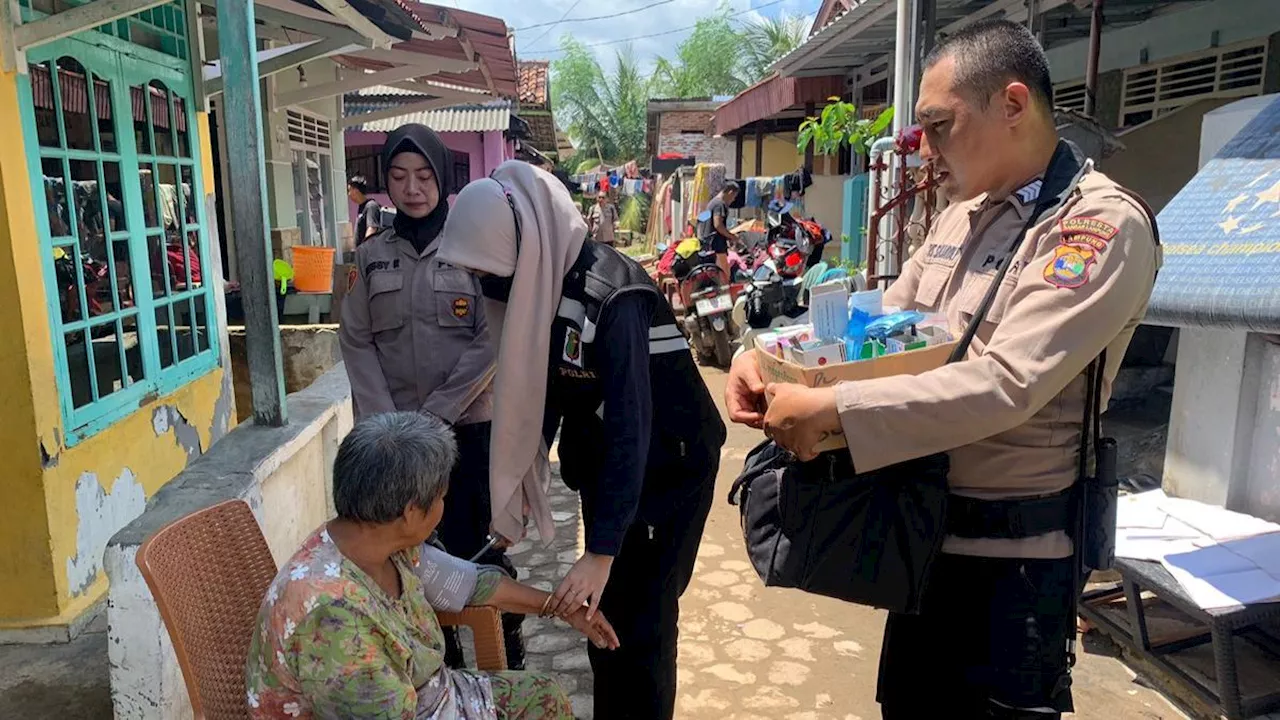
(448, 582)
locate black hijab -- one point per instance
(420, 139)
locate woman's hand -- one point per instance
(583, 584)
(597, 629)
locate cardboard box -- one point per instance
(911, 362)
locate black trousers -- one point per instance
(990, 642)
(465, 525)
(642, 601)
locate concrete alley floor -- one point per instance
(750, 652)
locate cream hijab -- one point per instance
(480, 236)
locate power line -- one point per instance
(562, 17)
(600, 17)
(641, 37)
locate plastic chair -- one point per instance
(208, 572)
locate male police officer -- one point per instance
(992, 637)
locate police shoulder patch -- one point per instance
(1089, 230)
(1069, 267)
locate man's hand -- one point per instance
(584, 584)
(800, 418)
(744, 393)
(598, 630)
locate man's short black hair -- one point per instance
(359, 183)
(991, 54)
(730, 186)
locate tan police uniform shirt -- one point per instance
(414, 336)
(1010, 414)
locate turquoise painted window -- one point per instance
(161, 28)
(111, 141)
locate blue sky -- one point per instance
(538, 43)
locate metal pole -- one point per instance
(737, 158)
(928, 29)
(906, 51)
(904, 75)
(237, 48)
(759, 148)
(1091, 66)
(810, 110)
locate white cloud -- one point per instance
(541, 42)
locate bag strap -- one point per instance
(1060, 178)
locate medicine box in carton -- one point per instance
(910, 362)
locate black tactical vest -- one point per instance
(687, 429)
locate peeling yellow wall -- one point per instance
(62, 504)
(26, 574)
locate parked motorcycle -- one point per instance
(774, 296)
(707, 317)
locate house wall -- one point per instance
(62, 504)
(1170, 35)
(282, 206)
(284, 474)
(1161, 157)
(688, 133)
(486, 151)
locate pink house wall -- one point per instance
(486, 150)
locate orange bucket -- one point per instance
(313, 268)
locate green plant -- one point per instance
(839, 126)
(635, 214)
(851, 267)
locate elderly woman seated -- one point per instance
(348, 628)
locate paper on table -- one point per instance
(1229, 574)
(1216, 522)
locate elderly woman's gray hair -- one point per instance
(389, 461)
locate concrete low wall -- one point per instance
(285, 474)
(309, 351)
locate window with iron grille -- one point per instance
(1152, 91)
(114, 158)
(461, 169)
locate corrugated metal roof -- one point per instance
(461, 118)
(773, 95)
(1221, 238)
(427, 87)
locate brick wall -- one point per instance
(705, 148)
(675, 122)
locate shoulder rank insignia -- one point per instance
(1030, 192)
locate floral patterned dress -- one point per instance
(331, 643)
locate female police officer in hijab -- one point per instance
(588, 346)
(414, 338)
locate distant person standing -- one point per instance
(369, 215)
(602, 220)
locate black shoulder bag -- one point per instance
(869, 538)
